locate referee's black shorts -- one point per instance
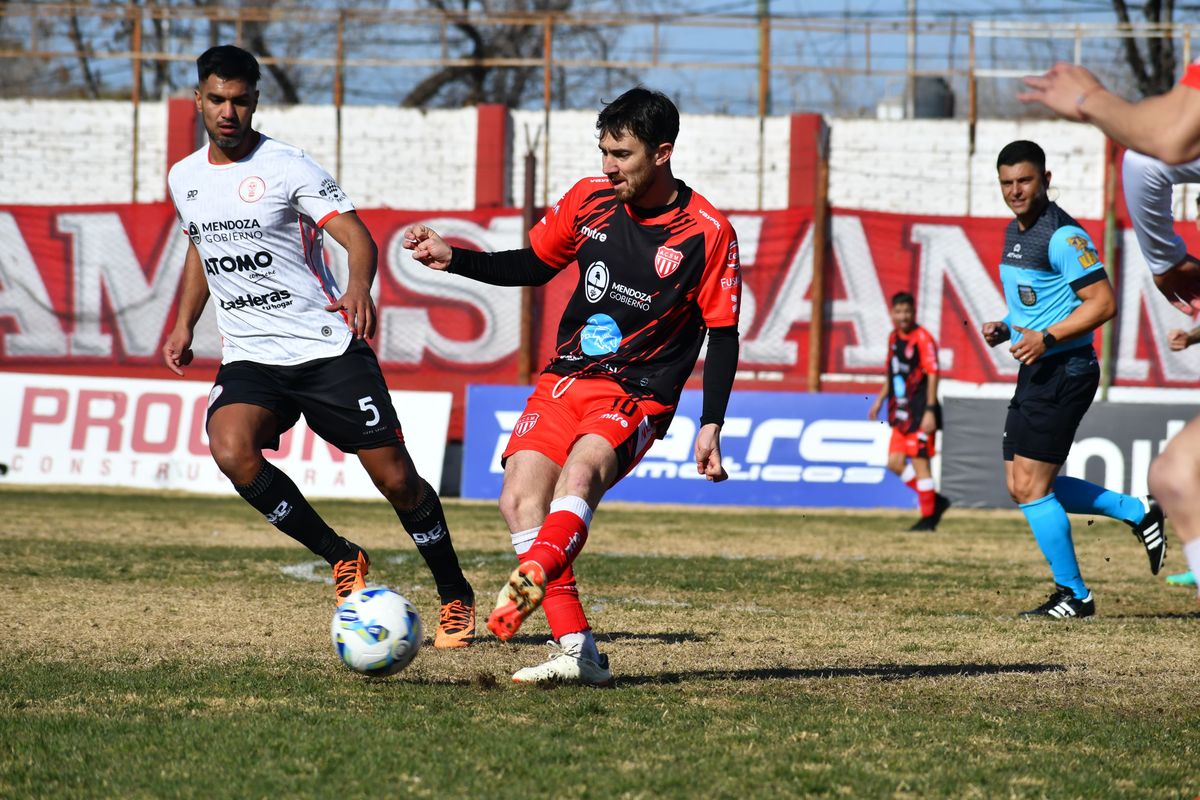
(344, 399)
(1052, 396)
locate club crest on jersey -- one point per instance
(731, 258)
(596, 282)
(1027, 294)
(666, 261)
(525, 424)
(252, 189)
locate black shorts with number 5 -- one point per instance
(344, 399)
(1052, 396)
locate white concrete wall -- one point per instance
(73, 152)
(717, 156)
(391, 157)
(926, 167)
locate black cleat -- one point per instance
(940, 505)
(1063, 605)
(1151, 533)
(930, 523)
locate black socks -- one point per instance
(274, 495)
(426, 524)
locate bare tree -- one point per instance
(1153, 72)
(453, 86)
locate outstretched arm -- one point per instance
(504, 268)
(1165, 126)
(1179, 339)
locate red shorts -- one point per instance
(913, 445)
(551, 425)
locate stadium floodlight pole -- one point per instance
(528, 218)
(820, 247)
(910, 81)
(764, 89)
(1111, 250)
(136, 91)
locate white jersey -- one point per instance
(1148, 184)
(257, 224)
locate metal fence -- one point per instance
(710, 64)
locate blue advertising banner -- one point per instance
(780, 449)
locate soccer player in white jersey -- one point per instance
(255, 211)
(1166, 127)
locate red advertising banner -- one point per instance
(92, 289)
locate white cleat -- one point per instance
(566, 667)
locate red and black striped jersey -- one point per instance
(649, 286)
(912, 358)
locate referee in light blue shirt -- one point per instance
(1057, 294)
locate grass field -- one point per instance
(155, 647)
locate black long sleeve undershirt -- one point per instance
(523, 268)
(504, 268)
(720, 366)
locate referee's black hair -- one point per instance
(228, 62)
(903, 299)
(1020, 151)
(648, 115)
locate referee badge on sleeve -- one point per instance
(1027, 294)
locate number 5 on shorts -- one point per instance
(367, 404)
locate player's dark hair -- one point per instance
(903, 299)
(1021, 151)
(228, 62)
(649, 116)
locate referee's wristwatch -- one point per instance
(1049, 339)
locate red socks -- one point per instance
(563, 534)
(563, 610)
(926, 496)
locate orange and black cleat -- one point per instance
(456, 625)
(350, 575)
(518, 599)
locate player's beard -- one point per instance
(227, 142)
(636, 184)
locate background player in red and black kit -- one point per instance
(292, 341)
(658, 267)
(913, 411)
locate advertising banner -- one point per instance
(91, 290)
(1113, 447)
(149, 434)
(780, 449)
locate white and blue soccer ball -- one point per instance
(376, 631)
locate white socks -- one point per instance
(580, 644)
(1191, 551)
(523, 540)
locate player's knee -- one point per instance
(578, 479)
(1173, 476)
(237, 459)
(402, 490)
(518, 507)
(1024, 490)
(896, 463)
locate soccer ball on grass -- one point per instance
(376, 632)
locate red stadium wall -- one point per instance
(91, 290)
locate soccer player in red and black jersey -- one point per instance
(913, 411)
(658, 268)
